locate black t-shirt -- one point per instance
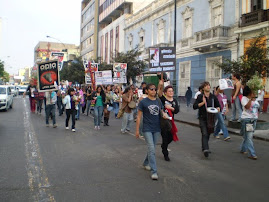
(173, 104)
(31, 90)
(151, 115)
(90, 96)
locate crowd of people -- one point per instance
(153, 108)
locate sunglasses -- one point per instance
(152, 89)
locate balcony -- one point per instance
(210, 39)
(254, 17)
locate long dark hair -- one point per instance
(126, 90)
(102, 91)
(246, 91)
(70, 90)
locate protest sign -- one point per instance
(225, 84)
(48, 76)
(103, 77)
(119, 72)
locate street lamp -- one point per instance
(64, 50)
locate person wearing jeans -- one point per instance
(236, 95)
(70, 106)
(51, 99)
(150, 109)
(99, 97)
(127, 97)
(126, 121)
(31, 89)
(248, 123)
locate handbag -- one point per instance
(249, 127)
(166, 124)
(132, 104)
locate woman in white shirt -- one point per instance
(248, 122)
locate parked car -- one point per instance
(14, 91)
(22, 89)
(6, 98)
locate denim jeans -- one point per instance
(247, 144)
(78, 111)
(126, 121)
(236, 106)
(60, 106)
(88, 106)
(116, 108)
(39, 105)
(221, 126)
(50, 109)
(151, 140)
(205, 134)
(98, 111)
(188, 102)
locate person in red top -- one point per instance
(31, 89)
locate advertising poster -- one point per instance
(48, 75)
(103, 77)
(119, 72)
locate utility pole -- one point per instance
(175, 45)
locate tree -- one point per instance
(135, 67)
(2, 69)
(254, 61)
(5, 76)
(73, 71)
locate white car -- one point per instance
(22, 89)
(14, 91)
(6, 98)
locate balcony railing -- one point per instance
(254, 17)
(214, 32)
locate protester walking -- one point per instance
(51, 98)
(84, 103)
(99, 97)
(206, 119)
(89, 100)
(222, 98)
(248, 123)
(188, 96)
(236, 98)
(149, 108)
(60, 104)
(171, 107)
(79, 95)
(31, 89)
(108, 107)
(128, 116)
(39, 101)
(70, 108)
(116, 101)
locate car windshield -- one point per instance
(2, 91)
(24, 88)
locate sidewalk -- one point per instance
(189, 116)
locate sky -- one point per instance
(26, 22)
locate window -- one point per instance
(213, 71)
(141, 35)
(184, 77)
(117, 41)
(111, 45)
(161, 26)
(256, 5)
(106, 48)
(217, 16)
(102, 49)
(187, 15)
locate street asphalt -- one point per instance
(54, 164)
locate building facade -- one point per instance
(112, 16)
(89, 29)
(205, 35)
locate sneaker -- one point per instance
(154, 176)
(128, 130)
(67, 128)
(73, 130)
(147, 167)
(253, 157)
(243, 152)
(232, 119)
(54, 126)
(239, 120)
(122, 131)
(206, 153)
(98, 127)
(217, 137)
(227, 138)
(47, 125)
(95, 127)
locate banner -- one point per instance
(93, 68)
(48, 76)
(103, 77)
(59, 56)
(225, 84)
(162, 59)
(119, 72)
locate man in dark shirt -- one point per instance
(89, 99)
(31, 89)
(204, 100)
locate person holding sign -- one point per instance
(236, 98)
(208, 105)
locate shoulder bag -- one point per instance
(166, 124)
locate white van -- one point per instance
(6, 98)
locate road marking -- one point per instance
(38, 180)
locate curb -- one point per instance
(230, 131)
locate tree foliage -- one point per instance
(3, 74)
(135, 67)
(73, 71)
(254, 61)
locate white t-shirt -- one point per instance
(252, 112)
(196, 94)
